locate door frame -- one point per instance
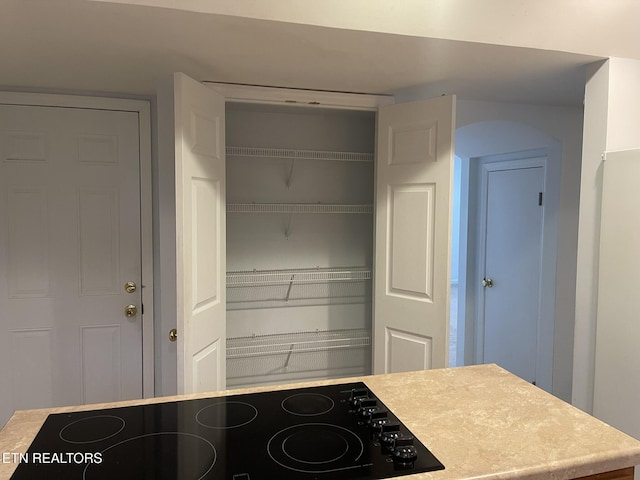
(293, 97)
(477, 219)
(143, 110)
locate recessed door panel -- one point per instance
(413, 143)
(25, 147)
(407, 352)
(101, 363)
(99, 232)
(98, 149)
(207, 367)
(31, 368)
(205, 209)
(411, 227)
(205, 134)
(28, 247)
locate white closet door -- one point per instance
(201, 235)
(413, 235)
(616, 383)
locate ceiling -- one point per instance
(81, 46)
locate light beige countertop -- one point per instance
(479, 421)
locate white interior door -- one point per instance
(616, 384)
(199, 124)
(413, 233)
(513, 222)
(69, 241)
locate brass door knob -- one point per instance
(173, 335)
(130, 287)
(130, 311)
(487, 282)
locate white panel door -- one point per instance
(513, 220)
(69, 241)
(413, 233)
(616, 382)
(200, 243)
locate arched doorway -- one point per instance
(507, 147)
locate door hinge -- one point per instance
(539, 198)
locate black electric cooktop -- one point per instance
(327, 432)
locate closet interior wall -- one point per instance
(299, 243)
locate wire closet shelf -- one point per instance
(297, 342)
(277, 358)
(294, 154)
(255, 278)
(297, 287)
(298, 208)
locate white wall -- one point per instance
(548, 25)
(611, 122)
(623, 130)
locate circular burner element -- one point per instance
(160, 455)
(316, 448)
(226, 415)
(315, 445)
(307, 404)
(92, 429)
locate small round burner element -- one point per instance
(316, 448)
(155, 455)
(92, 429)
(307, 404)
(226, 415)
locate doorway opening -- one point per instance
(481, 144)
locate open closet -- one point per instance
(312, 232)
(299, 193)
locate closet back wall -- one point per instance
(275, 241)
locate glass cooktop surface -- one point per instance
(328, 432)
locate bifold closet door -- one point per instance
(413, 235)
(192, 129)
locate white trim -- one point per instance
(73, 101)
(299, 97)
(142, 108)
(607, 152)
(146, 244)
